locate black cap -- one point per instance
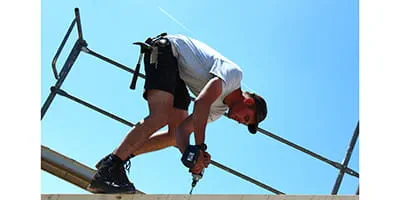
(261, 112)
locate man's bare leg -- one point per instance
(110, 176)
(166, 138)
(160, 106)
(161, 139)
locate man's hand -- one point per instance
(207, 159)
(202, 162)
(199, 166)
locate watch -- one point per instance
(202, 147)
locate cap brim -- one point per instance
(252, 128)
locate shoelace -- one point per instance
(127, 165)
(122, 173)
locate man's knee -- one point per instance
(157, 119)
(183, 130)
(176, 118)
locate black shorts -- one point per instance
(164, 75)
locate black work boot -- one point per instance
(127, 165)
(111, 177)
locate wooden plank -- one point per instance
(193, 197)
(66, 168)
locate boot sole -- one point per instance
(96, 187)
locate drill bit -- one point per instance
(191, 191)
(195, 179)
(194, 182)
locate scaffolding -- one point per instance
(53, 164)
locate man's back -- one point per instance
(196, 61)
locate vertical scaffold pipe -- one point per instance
(346, 160)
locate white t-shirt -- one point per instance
(198, 63)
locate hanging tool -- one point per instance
(143, 49)
(146, 46)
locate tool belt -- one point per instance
(159, 40)
(149, 46)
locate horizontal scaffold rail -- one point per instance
(126, 122)
(261, 130)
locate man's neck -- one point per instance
(234, 97)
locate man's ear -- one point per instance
(249, 101)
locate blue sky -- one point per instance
(302, 56)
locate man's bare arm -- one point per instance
(202, 105)
(182, 133)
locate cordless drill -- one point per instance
(189, 159)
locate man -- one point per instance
(174, 63)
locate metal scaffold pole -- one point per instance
(68, 63)
(346, 160)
